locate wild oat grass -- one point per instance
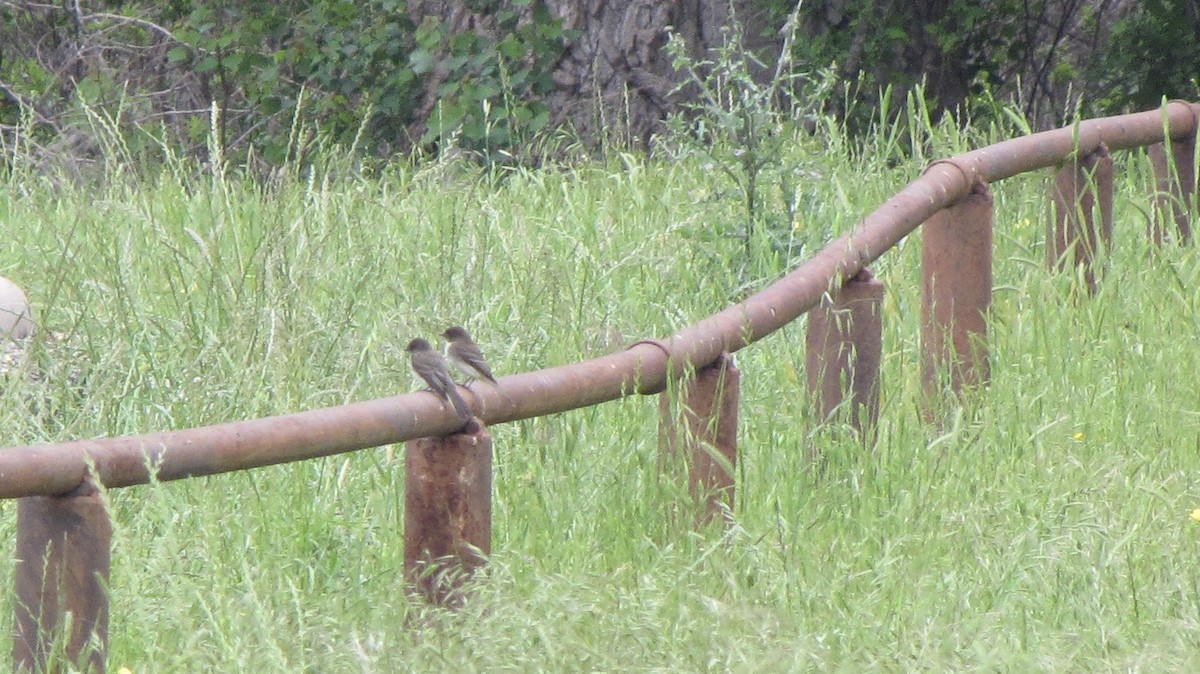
(1045, 528)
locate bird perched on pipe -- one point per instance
(465, 355)
(430, 366)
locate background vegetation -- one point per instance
(1049, 58)
(208, 233)
(1045, 528)
(487, 76)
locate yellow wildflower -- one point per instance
(1196, 514)
(1078, 436)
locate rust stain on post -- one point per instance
(1175, 200)
(704, 430)
(842, 352)
(956, 264)
(447, 512)
(1083, 187)
(62, 568)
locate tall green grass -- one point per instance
(1044, 528)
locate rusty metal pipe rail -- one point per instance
(60, 468)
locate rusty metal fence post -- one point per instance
(61, 582)
(1175, 199)
(842, 351)
(956, 265)
(704, 430)
(447, 512)
(1082, 188)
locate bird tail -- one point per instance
(461, 408)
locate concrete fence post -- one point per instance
(842, 352)
(61, 582)
(1175, 198)
(703, 429)
(956, 266)
(1082, 189)
(447, 512)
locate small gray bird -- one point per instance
(465, 355)
(431, 367)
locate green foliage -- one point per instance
(355, 72)
(741, 122)
(347, 56)
(957, 42)
(1157, 55)
(489, 84)
(1048, 55)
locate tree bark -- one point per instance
(615, 84)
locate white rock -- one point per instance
(16, 318)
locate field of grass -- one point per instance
(1045, 528)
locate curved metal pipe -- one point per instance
(643, 368)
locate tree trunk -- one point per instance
(615, 84)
